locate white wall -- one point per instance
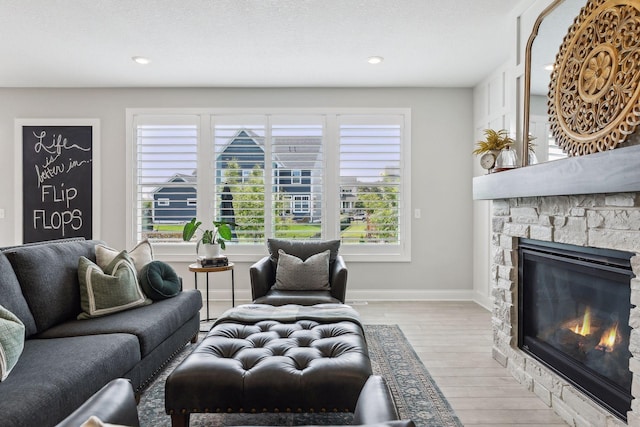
(498, 104)
(442, 119)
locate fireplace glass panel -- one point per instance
(574, 317)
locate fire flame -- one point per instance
(608, 339)
(585, 329)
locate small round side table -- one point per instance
(197, 268)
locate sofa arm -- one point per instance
(338, 279)
(262, 277)
(115, 403)
(375, 403)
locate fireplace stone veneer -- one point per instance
(610, 221)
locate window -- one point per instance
(294, 174)
(164, 156)
(370, 172)
(301, 204)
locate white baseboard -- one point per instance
(484, 301)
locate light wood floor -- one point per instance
(453, 339)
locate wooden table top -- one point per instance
(195, 267)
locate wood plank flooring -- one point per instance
(453, 340)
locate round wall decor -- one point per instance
(595, 83)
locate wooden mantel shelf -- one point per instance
(614, 171)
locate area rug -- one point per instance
(416, 394)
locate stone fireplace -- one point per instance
(609, 221)
(591, 202)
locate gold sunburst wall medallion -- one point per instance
(595, 84)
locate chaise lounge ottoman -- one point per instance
(261, 358)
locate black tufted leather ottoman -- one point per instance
(260, 358)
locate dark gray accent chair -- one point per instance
(263, 274)
(115, 404)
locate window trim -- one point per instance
(178, 251)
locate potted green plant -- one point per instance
(214, 237)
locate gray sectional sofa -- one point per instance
(65, 360)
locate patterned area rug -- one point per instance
(416, 394)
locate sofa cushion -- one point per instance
(107, 292)
(159, 280)
(11, 341)
(303, 249)
(141, 254)
(295, 274)
(51, 379)
(11, 296)
(152, 324)
(48, 276)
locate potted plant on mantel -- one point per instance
(499, 142)
(495, 141)
(212, 239)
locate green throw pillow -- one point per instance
(109, 291)
(159, 280)
(294, 274)
(11, 341)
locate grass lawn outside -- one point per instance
(355, 231)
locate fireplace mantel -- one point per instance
(614, 171)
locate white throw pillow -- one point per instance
(141, 254)
(293, 274)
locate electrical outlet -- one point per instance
(417, 213)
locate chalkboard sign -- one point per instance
(57, 182)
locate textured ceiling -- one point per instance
(252, 43)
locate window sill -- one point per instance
(186, 252)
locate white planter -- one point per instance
(211, 250)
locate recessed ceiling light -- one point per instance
(140, 60)
(375, 59)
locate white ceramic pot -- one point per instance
(211, 250)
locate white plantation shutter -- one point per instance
(166, 162)
(239, 153)
(371, 179)
(297, 175)
(291, 175)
